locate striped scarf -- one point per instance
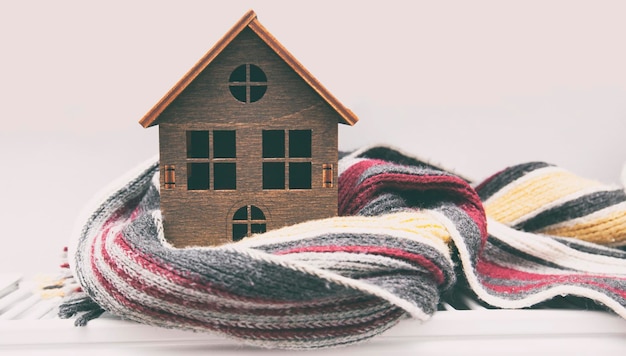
(407, 233)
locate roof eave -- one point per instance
(248, 20)
(150, 117)
(346, 114)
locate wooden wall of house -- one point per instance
(208, 97)
(202, 217)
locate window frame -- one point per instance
(214, 163)
(248, 84)
(250, 221)
(286, 159)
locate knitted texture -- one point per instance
(390, 255)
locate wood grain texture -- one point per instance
(248, 22)
(169, 180)
(150, 117)
(347, 116)
(205, 217)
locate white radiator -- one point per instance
(29, 326)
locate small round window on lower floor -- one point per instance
(247, 221)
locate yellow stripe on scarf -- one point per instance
(416, 224)
(534, 192)
(607, 228)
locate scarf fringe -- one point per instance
(81, 306)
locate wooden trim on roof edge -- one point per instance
(248, 20)
(347, 115)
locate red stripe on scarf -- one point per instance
(538, 280)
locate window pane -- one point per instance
(224, 144)
(239, 74)
(300, 175)
(256, 74)
(198, 144)
(225, 176)
(257, 228)
(239, 231)
(241, 213)
(239, 92)
(257, 92)
(300, 143)
(197, 176)
(256, 213)
(273, 175)
(273, 143)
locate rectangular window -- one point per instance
(197, 144)
(282, 149)
(300, 175)
(198, 176)
(211, 160)
(273, 175)
(300, 143)
(224, 176)
(224, 145)
(273, 143)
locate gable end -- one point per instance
(249, 20)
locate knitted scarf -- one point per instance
(408, 231)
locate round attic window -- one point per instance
(247, 83)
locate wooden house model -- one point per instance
(247, 141)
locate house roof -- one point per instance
(249, 20)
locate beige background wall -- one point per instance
(474, 85)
